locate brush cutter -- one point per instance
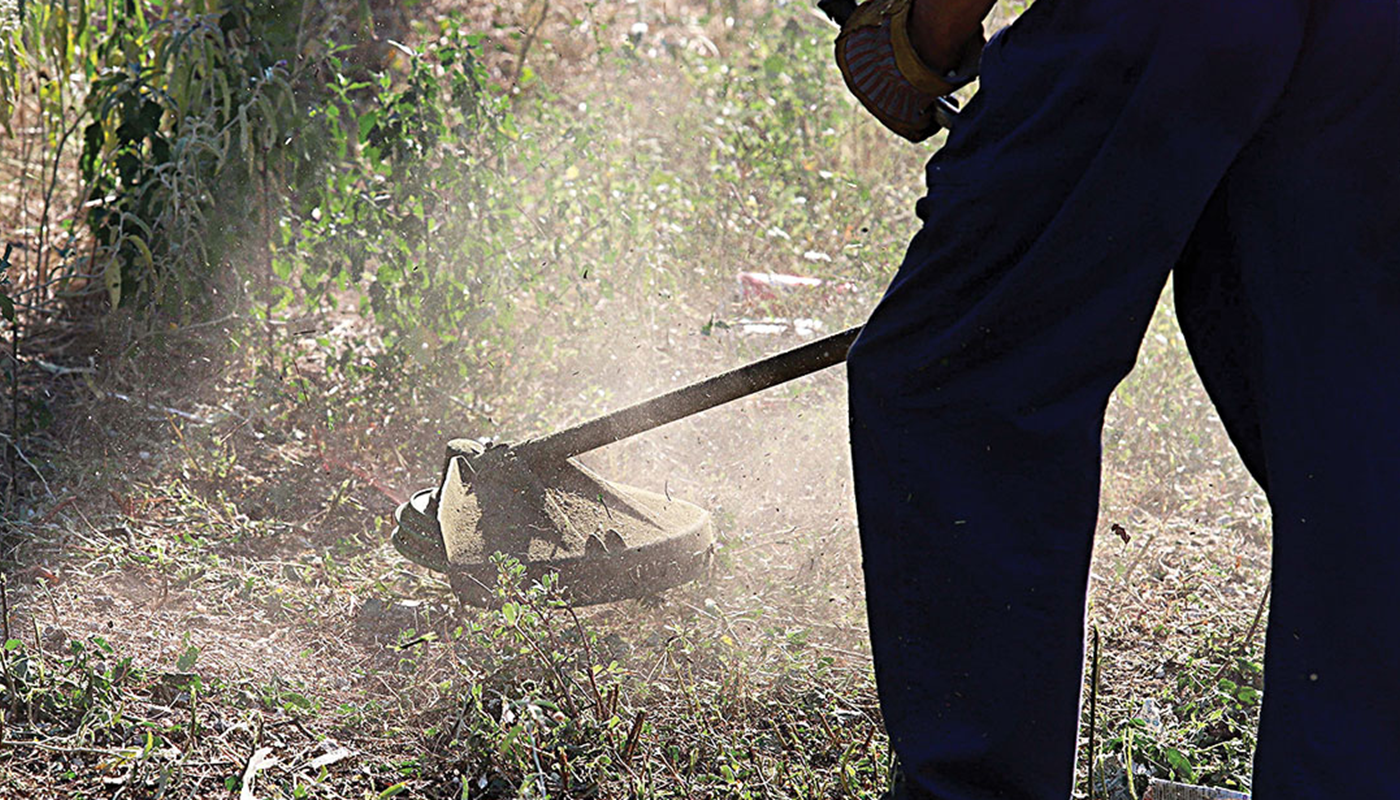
(533, 502)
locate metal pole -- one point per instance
(692, 399)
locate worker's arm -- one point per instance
(899, 56)
(941, 30)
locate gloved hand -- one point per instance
(884, 72)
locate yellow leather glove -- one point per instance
(883, 71)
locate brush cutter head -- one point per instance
(606, 540)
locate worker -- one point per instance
(1246, 148)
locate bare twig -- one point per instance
(588, 650)
(164, 409)
(260, 759)
(44, 227)
(564, 772)
(1127, 573)
(17, 452)
(529, 41)
(1094, 711)
(12, 491)
(5, 653)
(633, 736)
(268, 274)
(58, 748)
(554, 671)
(1258, 614)
(58, 370)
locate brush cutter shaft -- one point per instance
(692, 399)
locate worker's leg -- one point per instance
(978, 387)
(1296, 296)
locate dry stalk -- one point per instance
(4, 652)
(1127, 573)
(528, 43)
(633, 736)
(12, 491)
(556, 674)
(1093, 711)
(564, 771)
(588, 651)
(1258, 614)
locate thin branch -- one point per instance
(529, 41)
(1258, 614)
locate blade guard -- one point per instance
(607, 541)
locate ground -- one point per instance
(201, 599)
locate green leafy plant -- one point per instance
(75, 692)
(1214, 708)
(183, 129)
(403, 208)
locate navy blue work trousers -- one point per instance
(1248, 148)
